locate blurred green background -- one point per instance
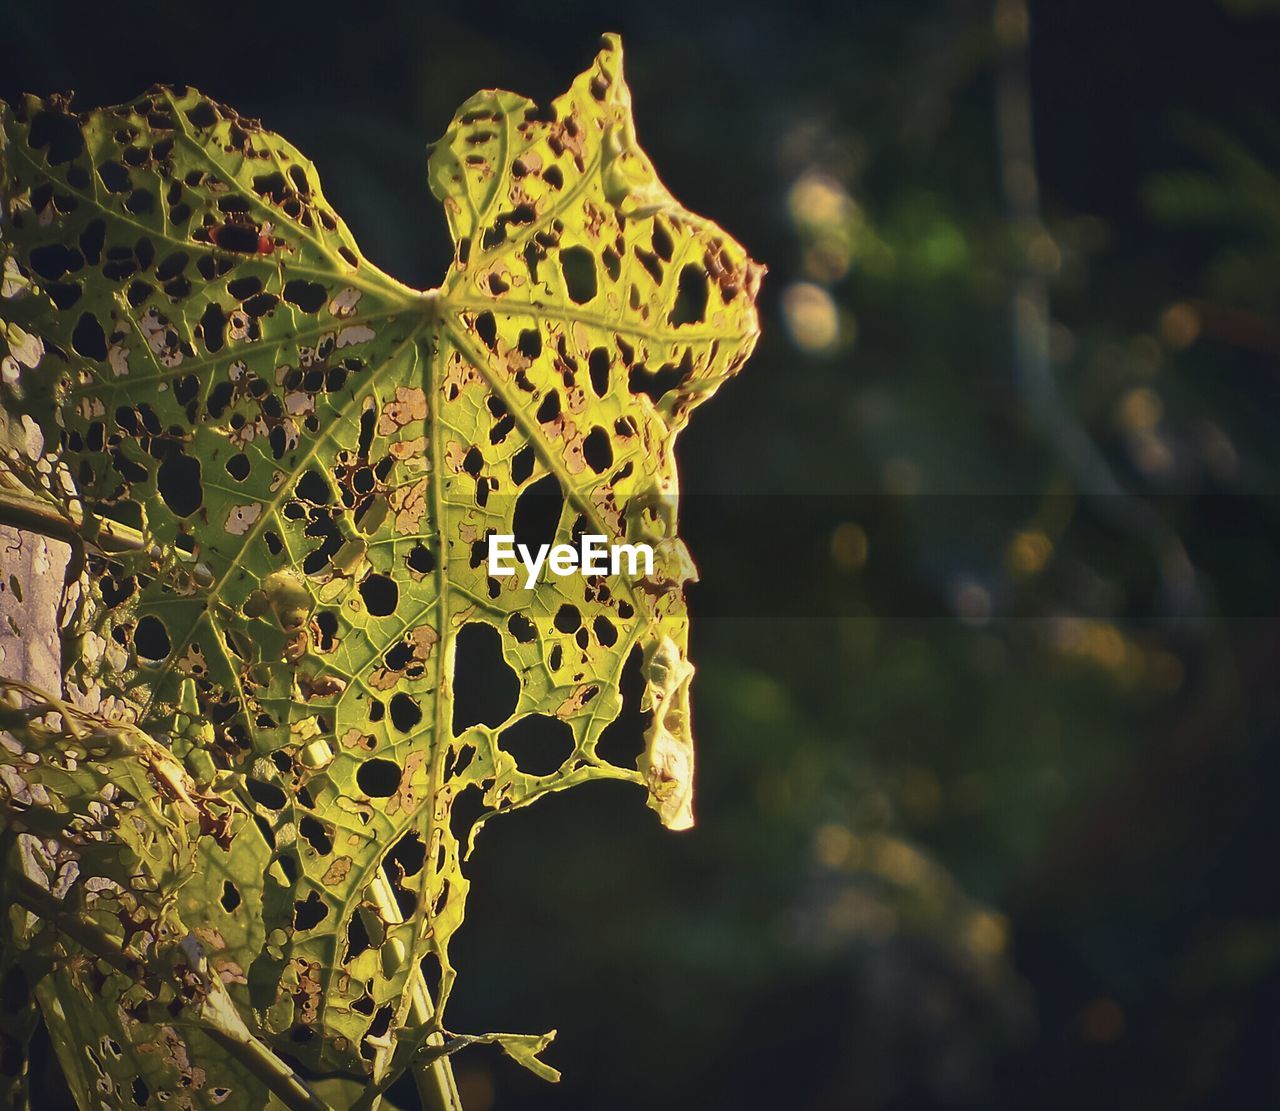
(987, 634)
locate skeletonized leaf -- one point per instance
(311, 456)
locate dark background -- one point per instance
(987, 701)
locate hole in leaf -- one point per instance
(357, 937)
(244, 288)
(410, 853)
(691, 297)
(381, 1021)
(378, 778)
(60, 133)
(264, 827)
(265, 794)
(539, 744)
(172, 266)
(213, 325)
(550, 407)
(202, 115)
(530, 343)
(380, 595)
(405, 712)
(51, 260)
(537, 513)
(485, 688)
(421, 559)
(406, 899)
(597, 450)
(522, 628)
(522, 465)
(88, 337)
(622, 740)
(313, 488)
(261, 304)
(466, 808)
(662, 244)
(309, 912)
(598, 368)
(314, 834)
(308, 296)
(327, 624)
(186, 389)
(289, 866)
(151, 638)
(141, 202)
(655, 383)
(579, 268)
(63, 294)
(606, 634)
(115, 176)
(178, 481)
(461, 761)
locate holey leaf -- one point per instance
(309, 457)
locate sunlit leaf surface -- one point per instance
(308, 457)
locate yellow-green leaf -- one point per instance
(309, 457)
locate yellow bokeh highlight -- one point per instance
(1028, 552)
(811, 317)
(834, 845)
(817, 200)
(1140, 410)
(849, 546)
(1180, 325)
(1104, 646)
(987, 933)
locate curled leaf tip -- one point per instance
(667, 763)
